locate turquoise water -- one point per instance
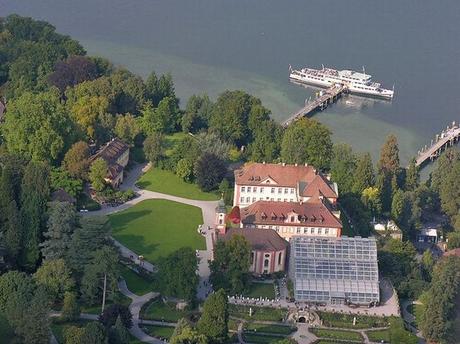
(213, 45)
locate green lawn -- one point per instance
(170, 141)
(158, 310)
(258, 313)
(261, 290)
(233, 325)
(254, 338)
(96, 309)
(168, 183)
(158, 331)
(156, 228)
(136, 283)
(6, 332)
(379, 335)
(277, 329)
(346, 320)
(336, 334)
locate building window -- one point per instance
(252, 257)
(320, 231)
(241, 199)
(292, 218)
(254, 189)
(220, 221)
(285, 199)
(286, 190)
(254, 199)
(292, 191)
(279, 199)
(312, 231)
(273, 190)
(243, 189)
(272, 199)
(280, 255)
(261, 198)
(305, 231)
(326, 231)
(261, 189)
(280, 190)
(298, 230)
(248, 199)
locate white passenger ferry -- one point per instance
(358, 83)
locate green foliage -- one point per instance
(121, 333)
(209, 171)
(94, 333)
(177, 274)
(34, 196)
(359, 215)
(364, 174)
(76, 160)
(127, 128)
(211, 143)
(184, 333)
(154, 147)
(37, 126)
(439, 310)
(230, 267)
(184, 170)
(343, 166)
(412, 176)
(308, 141)
(159, 88)
(98, 173)
(70, 307)
(266, 145)
(74, 335)
(197, 113)
(61, 179)
(72, 71)
(371, 200)
(103, 266)
(55, 278)
(214, 320)
(162, 119)
(389, 156)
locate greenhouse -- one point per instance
(335, 270)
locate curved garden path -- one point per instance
(207, 209)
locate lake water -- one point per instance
(213, 45)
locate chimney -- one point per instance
(328, 176)
(306, 164)
(263, 162)
(295, 164)
(315, 171)
(284, 164)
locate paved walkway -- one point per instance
(208, 212)
(409, 319)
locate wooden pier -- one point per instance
(325, 98)
(446, 138)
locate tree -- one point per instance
(364, 174)
(184, 170)
(61, 180)
(112, 313)
(87, 111)
(55, 278)
(74, 335)
(214, 320)
(266, 145)
(371, 199)
(34, 196)
(70, 308)
(343, 166)
(197, 113)
(127, 128)
(162, 119)
(76, 160)
(100, 276)
(72, 71)
(185, 334)
(94, 333)
(98, 173)
(62, 222)
(213, 144)
(453, 240)
(159, 88)
(120, 332)
(177, 273)
(449, 189)
(209, 171)
(389, 155)
(37, 126)
(412, 176)
(230, 267)
(154, 147)
(94, 233)
(308, 141)
(12, 232)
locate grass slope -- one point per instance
(158, 310)
(135, 282)
(337, 334)
(261, 290)
(156, 228)
(168, 183)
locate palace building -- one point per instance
(280, 183)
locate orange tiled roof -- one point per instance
(306, 177)
(259, 239)
(311, 214)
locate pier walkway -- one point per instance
(325, 98)
(446, 138)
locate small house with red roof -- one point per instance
(116, 154)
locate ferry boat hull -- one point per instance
(360, 85)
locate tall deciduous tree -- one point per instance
(97, 174)
(364, 174)
(127, 128)
(266, 145)
(343, 166)
(230, 267)
(76, 160)
(70, 307)
(214, 320)
(154, 147)
(185, 334)
(34, 196)
(177, 273)
(72, 71)
(62, 222)
(55, 277)
(209, 171)
(307, 141)
(197, 113)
